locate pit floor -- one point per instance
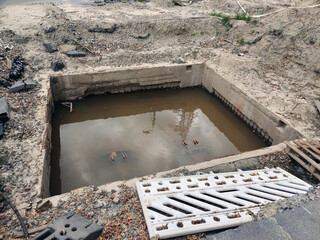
(122, 136)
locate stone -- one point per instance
(179, 61)
(22, 85)
(104, 29)
(141, 36)
(50, 48)
(65, 48)
(18, 86)
(17, 68)
(57, 66)
(30, 84)
(116, 200)
(1, 131)
(44, 206)
(50, 29)
(4, 110)
(75, 53)
(71, 226)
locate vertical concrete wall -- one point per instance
(75, 86)
(254, 113)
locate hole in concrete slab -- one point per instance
(162, 227)
(236, 215)
(177, 208)
(206, 201)
(174, 181)
(189, 204)
(98, 133)
(223, 199)
(179, 224)
(160, 212)
(216, 219)
(195, 222)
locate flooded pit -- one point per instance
(121, 136)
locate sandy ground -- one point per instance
(274, 60)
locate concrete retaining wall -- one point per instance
(254, 114)
(76, 86)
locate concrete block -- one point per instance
(30, 84)
(1, 130)
(18, 86)
(75, 53)
(71, 226)
(56, 66)
(4, 110)
(50, 48)
(22, 85)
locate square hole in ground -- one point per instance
(125, 135)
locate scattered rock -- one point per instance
(276, 32)
(5, 83)
(22, 85)
(65, 48)
(18, 86)
(44, 206)
(1, 130)
(116, 200)
(4, 110)
(57, 66)
(317, 69)
(239, 52)
(50, 48)
(17, 68)
(30, 84)
(75, 53)
(183, 2)
(179, 61)
(50, 29)
(257, 39)
(106, 29)
(141, 36)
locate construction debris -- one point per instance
(4, 110)
(307, 155)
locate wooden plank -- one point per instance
(317, 103)
(303, 164)
(311, 161)
(306, 149)
(313, 148)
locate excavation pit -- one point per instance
(191, 115)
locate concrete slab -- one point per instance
(4, 110)
(18, 86)
(263, 229)
(300, 223)
(30, 84)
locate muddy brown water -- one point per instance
(146, 128)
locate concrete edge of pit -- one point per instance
(191, 168)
